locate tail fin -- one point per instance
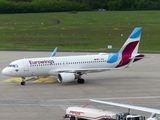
(132, 43)
(129, 50)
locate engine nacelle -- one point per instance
(66, 77)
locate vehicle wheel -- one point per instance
(80, 80)
(72, 118)
(23, 83)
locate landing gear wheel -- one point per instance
(23, 83)
(72, 118)
(80, 80)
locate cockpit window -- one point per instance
(13, 65)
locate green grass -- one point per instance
(80, 31)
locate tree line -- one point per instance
(34, 6)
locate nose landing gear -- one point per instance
(23, 81)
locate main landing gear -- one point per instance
(23, 81)
(80, 80)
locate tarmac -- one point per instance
(47, 99)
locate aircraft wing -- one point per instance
(83, 71)
(88, 70)
(150, 110)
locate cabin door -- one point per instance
(26, 66)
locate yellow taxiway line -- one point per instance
(44, 80)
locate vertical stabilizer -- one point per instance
(130, 48)
(132, 43)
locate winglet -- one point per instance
(54, 52)
(88, 103)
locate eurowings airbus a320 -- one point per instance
(71, 68)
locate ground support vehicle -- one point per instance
(81, 113)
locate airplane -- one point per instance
(71, 68)
(144, 109)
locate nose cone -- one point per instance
(5, 72)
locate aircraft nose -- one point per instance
(4, 71)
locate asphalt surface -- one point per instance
(137, 85)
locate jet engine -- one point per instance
(66, 77)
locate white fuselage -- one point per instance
(51, 65)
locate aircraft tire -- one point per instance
(23, 83)
(80, 80)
